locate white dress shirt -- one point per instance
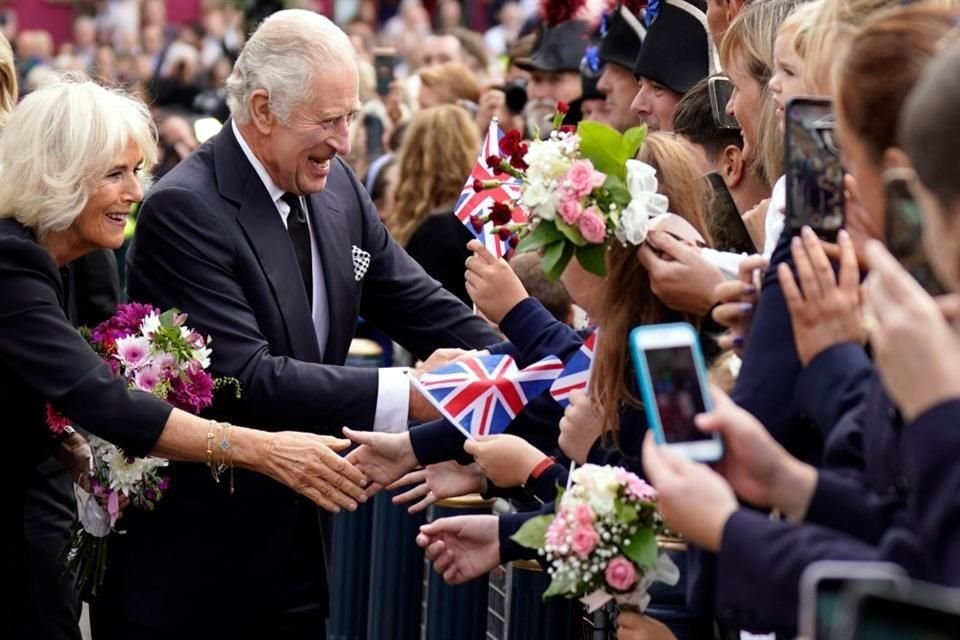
(393, 391)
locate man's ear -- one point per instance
(260, 114)
(733, 166)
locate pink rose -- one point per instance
(620, 574)
(592, 226)
(580, 180)
(583, 515)
(570, 210)
(584, 540)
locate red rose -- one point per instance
(501, 214)
(477, 185)
(494, 163)
(504, 233)
(518, 163)
(476, 223)
(562, 107)
(568, 128)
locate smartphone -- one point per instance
(904, 229)
(727, 227)
(384, 65)
(911, 610)
(672, 380)
(822, 588)
(721, 90)
(813, 169)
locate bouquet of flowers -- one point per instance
(580, 188)
(153, 352)
(602, 542)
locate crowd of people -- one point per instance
(280, 179)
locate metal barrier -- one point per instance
(455, 612)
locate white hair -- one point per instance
(281, 58)
(60, 142)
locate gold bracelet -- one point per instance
(226, 450)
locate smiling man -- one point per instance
(267, 240)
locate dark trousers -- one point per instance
(52, 606)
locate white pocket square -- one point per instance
(361, 262)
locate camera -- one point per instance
(516, 95)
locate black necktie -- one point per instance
(300, 238)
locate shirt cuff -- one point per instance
(393, 400)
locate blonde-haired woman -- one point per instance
(438, 153)
(71, 159)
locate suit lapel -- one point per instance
(261, 223)
(333, 242)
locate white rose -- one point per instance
(547, 160)
(601, 486)
(644, 203)
(540, 199)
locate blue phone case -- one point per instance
(645, 383)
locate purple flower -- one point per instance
(134, 351)
(147, 378)
(193, 391)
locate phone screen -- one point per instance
(814, 173)
(384, 64)
(677, 389)
(721, 90)
(830, 601)
(880, 618)
(904, 234)
(728, 229)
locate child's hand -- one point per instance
(491, 283)
(580, 426)
(506, 460)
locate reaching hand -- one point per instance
(382, 457)
(739, 300)
(826, 311)
(679, 275)
(506, 460)
(463, 547)
(420, 409)
(636, 626)
(491, 283)
(443, 357)
(580, 427)
(916, 350)
(760, 471)
(693, 498)
(438, 482)
(309, 464)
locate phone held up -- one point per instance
(384, 65)
(904, 229)
(815, 195)
(672, 379)
(721, 90)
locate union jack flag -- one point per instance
(576, 374)
(472, 202)
(481, 395)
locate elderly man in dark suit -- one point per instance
(268, 241)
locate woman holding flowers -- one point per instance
(72, 155)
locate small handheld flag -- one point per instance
(482, 394)
(576, 374)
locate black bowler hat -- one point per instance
(677, 51)
(558, 48)
(622, 32)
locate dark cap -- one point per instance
(622, 34)
(677, 51)
(558, 48)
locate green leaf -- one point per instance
(593, 258)
(555, 259)
(633, 139)
(560, 587)
(533, 533)
(617, 190)
(572, 233)
(166, 318)
(642, 548)
(543, 234)
(604, 147)
(626, 513)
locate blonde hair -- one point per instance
(627, 300)
(8, 81)
(451, 81)
(439, 150)
(281, 58)
(750, 38)
(58, 144)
